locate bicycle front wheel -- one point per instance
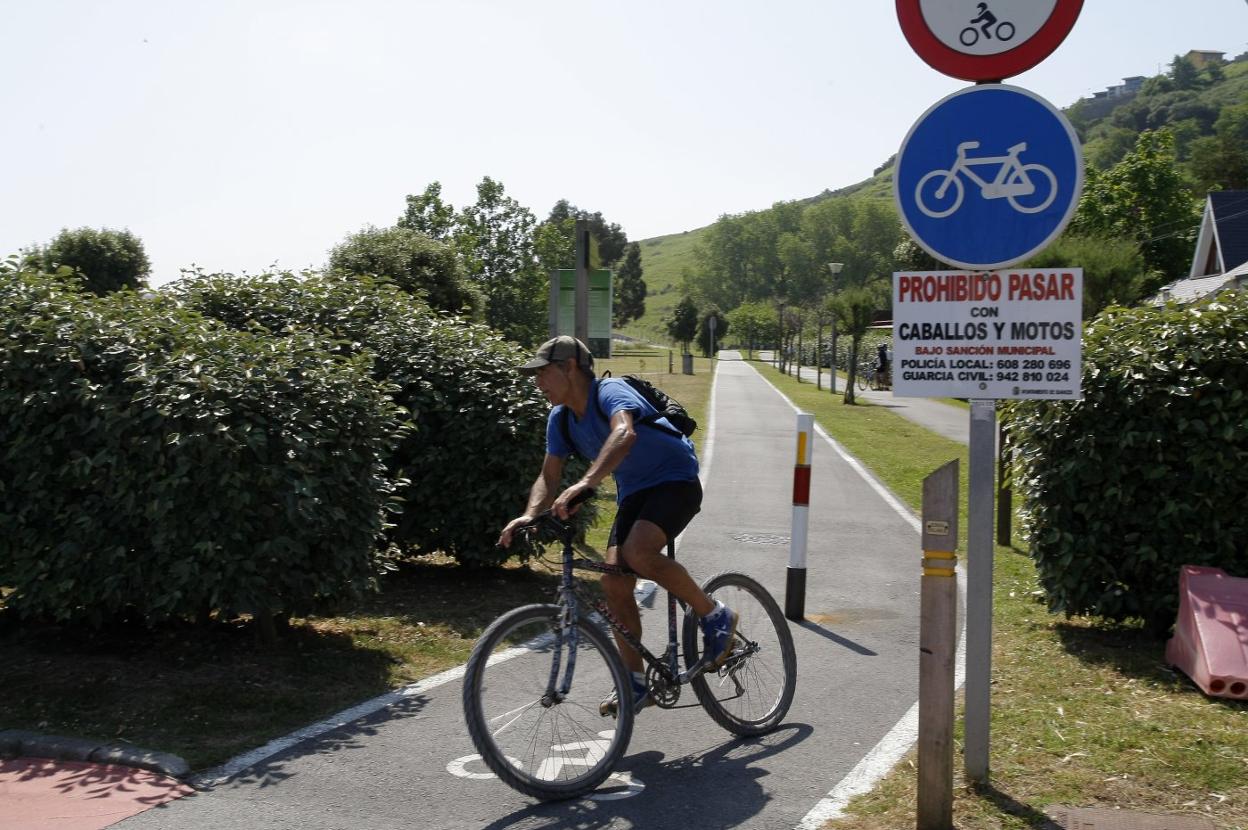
(751, 693)
(543, 744)
(863, 381)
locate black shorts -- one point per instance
(670, 505)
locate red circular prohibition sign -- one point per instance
(997, 67)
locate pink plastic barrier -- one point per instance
(1210, 642)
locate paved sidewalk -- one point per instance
(47, 794)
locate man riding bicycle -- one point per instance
(658, 493)
(882, 366)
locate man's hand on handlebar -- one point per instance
(570, 500)
(517, 524)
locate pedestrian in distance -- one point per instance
(658, 493)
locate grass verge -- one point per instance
(210, 694)
(1084, 712)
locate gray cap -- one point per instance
(557, 350)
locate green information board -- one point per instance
(600, 308)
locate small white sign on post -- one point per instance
(1000, 334)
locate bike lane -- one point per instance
(409, 763)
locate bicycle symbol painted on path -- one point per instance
(985, 20)
(1015, 182)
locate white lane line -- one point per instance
(234, 766)
(898, 741)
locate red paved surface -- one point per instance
(39, 794)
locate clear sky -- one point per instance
(238, 135)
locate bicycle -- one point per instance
(535, 678)
(1013, 181)
(873, 379)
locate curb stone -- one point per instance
(23, 743)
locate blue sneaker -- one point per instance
(718, 630)
(641, 699)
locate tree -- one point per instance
(682, 326)
(1109, 147)
(1143, 198)
(704, 330)
(861, 233)
(428, 214)
(108, 260)
(1113, 269)
(495, 240)
(1220, 161)
(609, 239)
(910, 256)
(414, 262)
(753, 324)
(739, 260)
(1183, 74)
(855, 310)
(630, 288)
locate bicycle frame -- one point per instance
(570, 597)
(998, 188)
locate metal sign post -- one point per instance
(987, 177)
(979, 553)
(581, 330)
(985, 336)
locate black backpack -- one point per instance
(665, 407)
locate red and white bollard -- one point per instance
(795, 584)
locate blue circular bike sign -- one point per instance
(988, 176)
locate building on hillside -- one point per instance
(1129, 86)
(1200, 58)
(1220, 260)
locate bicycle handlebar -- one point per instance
(548, 515)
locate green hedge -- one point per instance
(477, 427)
(158, 463)
(1150, 470)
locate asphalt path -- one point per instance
(410, 763)
(950, 421)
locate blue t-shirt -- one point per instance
(657, 456)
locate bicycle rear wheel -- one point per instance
(751, 693)
(542, 746)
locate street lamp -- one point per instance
(834, 268)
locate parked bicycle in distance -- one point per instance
(534, 682)
(871, 378)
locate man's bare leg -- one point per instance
(643, 552)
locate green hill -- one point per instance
(664, 259)
(1206, 110)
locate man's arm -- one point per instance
(614, 450)
(540, 496)
(542, 493)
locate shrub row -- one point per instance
(1150, 470)
(158, 463)
(476, 426)
(238, 443)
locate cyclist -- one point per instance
(658, 493)
(882, 365)
(986, 18)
